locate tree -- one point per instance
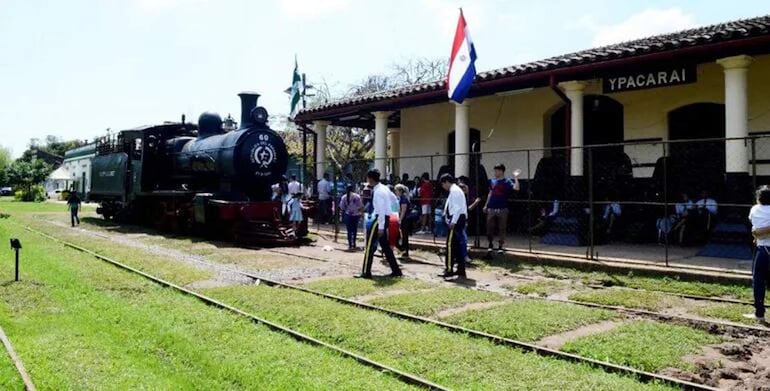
(345, 145)
(26, 174)
(52, 144)
(5, 161)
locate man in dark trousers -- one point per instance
(73, 203)
(382, 201)
(456, 214)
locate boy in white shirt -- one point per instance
(760, 224)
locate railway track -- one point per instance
(409, 378)
(399, 374)
(711, 325)
(28, 385)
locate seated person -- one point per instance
(611, 214)
(545, 220)
(676, 222)
(706, 209)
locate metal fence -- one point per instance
(661, 201)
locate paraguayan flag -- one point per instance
(462, 63)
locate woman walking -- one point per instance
(351, 207)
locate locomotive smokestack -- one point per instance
(248, 103)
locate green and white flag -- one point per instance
(296, 90)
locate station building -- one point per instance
(704, 83)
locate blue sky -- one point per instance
(74, 68)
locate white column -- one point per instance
(395, 150)
(462, 140)
(320, 130)
(736, 112)
(574, 91)
(381, 141)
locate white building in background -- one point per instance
(75, 171)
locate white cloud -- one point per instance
(639, 25)
(310, 9)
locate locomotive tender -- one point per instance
(183, 177)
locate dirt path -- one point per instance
(556, 341)
(469, 307)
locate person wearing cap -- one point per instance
(456, 212)
(382, 199)
(496, 207)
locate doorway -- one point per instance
(698, 165)
(602, 124)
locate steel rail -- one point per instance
(599, 287)
(399, 374)
(500, 340)
(28, 385)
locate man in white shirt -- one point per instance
(382, 201)
(456, 213)
(324, 199)
(294, 186)
(760, 228)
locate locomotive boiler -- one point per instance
(180, 176)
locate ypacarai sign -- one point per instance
(660, 77)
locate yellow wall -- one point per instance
(519, 120)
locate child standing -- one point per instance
(295, 211)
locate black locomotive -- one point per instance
(179, 176)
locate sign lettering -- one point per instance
(640, 80)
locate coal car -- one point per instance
(202, 178)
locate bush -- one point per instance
(35, 194)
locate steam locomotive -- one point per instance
(201, 178)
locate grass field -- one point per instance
(351, 287)
(455, 360)
(728, 311)
(648, 300)
(530, 320)
(629, 280)
(665, 345)
(451, 359)
(9, 377)
(10, 206)
(431, 302)
(79, 323)
(540, 288)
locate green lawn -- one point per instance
(541, 288)
(647, 300)
(79, 323)
(454, 360)
(530, 320)
(351, 287)
(137, 257)
(727, 311)
(11, 206)
(431, 302)
(663, 345)
(629, 280)
(9, 376)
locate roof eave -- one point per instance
(703, 52)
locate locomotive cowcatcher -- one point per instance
(203, 179)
